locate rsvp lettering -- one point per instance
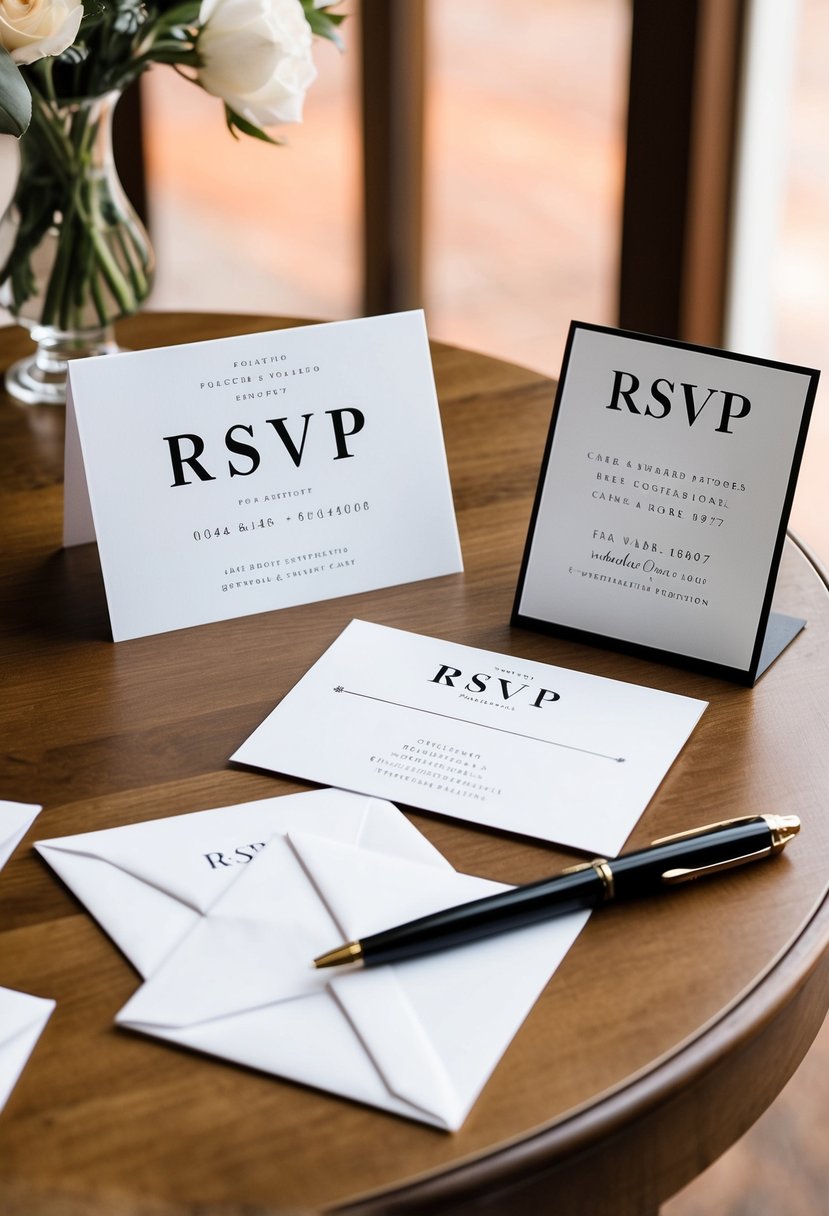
(239, 857)
(732, 406)
(188, 449)
(480, 682)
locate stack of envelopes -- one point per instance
(22, 1017)
(252, 893)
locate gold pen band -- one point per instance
(602, 867)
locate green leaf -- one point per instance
(186, 11)
(323, 23)
(15, 98)
(235, 123)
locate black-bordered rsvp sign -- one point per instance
(662, 505)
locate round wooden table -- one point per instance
(669, 1028)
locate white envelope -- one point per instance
(15, 820)
(148, 883)
(418, 1038)
(22, 1018)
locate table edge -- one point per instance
(744, 1021)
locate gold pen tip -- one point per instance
(351, 952)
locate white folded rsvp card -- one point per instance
(245, 474)
(508, 743)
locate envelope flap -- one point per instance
(257, 943)
(457, 1011)
(366, 892)
(225, 966)
(384, 829)
(146, 883)
(255, 948)
(193, 857)
(158, 854)
(15, 820)
(22, 1019)
(143, 920)
(382, 1017)
(436, 1026)
(21, 1015)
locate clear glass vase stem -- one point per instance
(40, 378)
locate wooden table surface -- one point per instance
(670, 1026)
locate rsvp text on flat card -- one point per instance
(497, 740)
(245, 474)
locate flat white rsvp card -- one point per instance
(509, 743)
(245, 474)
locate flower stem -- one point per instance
(69, 196)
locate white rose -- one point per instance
(257, 57)
(33, 29)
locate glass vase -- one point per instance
(74, 256)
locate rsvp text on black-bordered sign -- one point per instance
(663, 499)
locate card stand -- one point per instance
(780, 631)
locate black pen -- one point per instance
(668, 862)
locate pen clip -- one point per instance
(708, 827)
(783, 828)
(673, 877)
